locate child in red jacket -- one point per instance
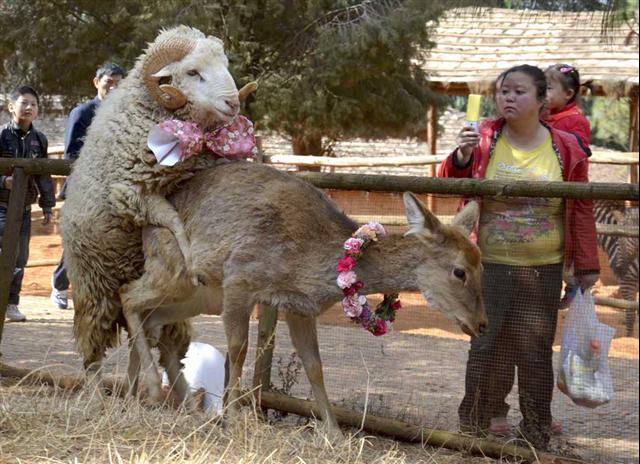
(563, 112)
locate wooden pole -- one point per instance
(38, 166)
(10, 238)
(407, 432)
(472, 187)
(633, 134)
(432, 137)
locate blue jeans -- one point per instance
(23, 252)
(60, 279)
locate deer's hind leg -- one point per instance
(305, 340)
(236, 311)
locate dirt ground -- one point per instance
(416, 373)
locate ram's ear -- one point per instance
(247, 90)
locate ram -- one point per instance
(117, 185)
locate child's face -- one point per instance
(106, 84)
(24, 110)
(557, 96)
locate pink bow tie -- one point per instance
(232, 141)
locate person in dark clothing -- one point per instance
(19, 139)
(107, 78)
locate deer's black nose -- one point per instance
(482, 328)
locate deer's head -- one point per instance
(449, 273)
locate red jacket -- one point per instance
(571, 119)
(580, 246)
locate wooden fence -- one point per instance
(22, 168)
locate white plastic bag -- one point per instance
(584, 374)
(204, 368)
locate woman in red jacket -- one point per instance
(525, 244)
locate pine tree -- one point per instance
(331, 69)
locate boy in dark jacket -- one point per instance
(19, 139)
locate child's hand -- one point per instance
(8, 182)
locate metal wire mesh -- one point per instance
(416, 373)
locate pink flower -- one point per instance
(353, 245)
(346, 264)
(345, 279)
(396, 305)
(352, 305)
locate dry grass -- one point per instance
(43, 424)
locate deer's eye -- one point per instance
(460, 274)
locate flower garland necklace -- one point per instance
(354, 305)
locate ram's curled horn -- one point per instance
(158, 56)
(247, 90)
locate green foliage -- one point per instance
(609, 119)
(331, 68)
(337, 68)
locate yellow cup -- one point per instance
(473, 110)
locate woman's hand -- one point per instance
(586, 281)
(467, 140)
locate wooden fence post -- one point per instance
(10, 237)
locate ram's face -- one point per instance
(203, 76)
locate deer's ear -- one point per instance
(468, 217)
(420, 219)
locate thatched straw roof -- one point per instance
(472, 46)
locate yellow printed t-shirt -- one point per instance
(522, 231)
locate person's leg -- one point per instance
(490, 372)
(60, 286)
(60, 280)
(21, 258)
(535, 326)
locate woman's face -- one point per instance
(516, 98)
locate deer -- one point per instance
(262, 236)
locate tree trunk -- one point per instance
(307, 145)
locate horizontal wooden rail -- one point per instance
(416, 184)
(35, 166)
(598, 157)
(615, 302)
(472, 187)
(408, 432)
